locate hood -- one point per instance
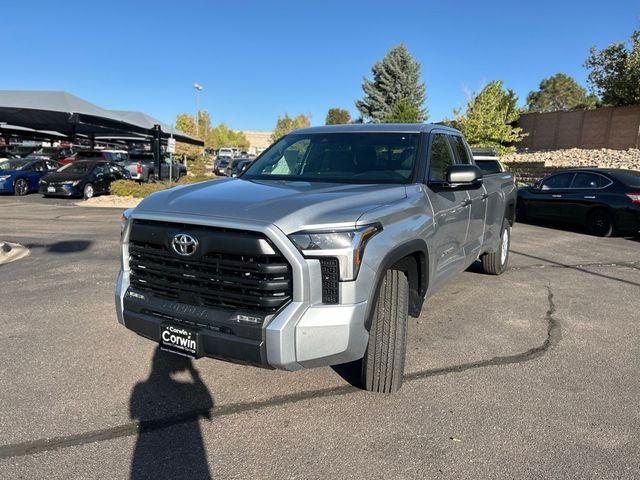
(291, 206)
(63, 177)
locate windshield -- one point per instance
(12, 164)
(77, 167)
(339, 157)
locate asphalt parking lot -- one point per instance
(533, 374)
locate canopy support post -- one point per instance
(155, 146)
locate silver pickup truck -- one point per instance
(317, 254)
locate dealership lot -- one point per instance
(530, 374)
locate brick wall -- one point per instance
(611, 127)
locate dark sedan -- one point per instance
(604, 201)
(237, 166)
(82, 178)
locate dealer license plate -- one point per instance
(180, 340)
(51, 189)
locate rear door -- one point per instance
(587, 189)
(450, 210)
(477, 198)
(36, 172)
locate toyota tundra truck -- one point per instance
(318, 253)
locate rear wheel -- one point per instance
(20, 187)
(600, 223)
(151, 178)
(383, 362)
(88, 191)
(495, 263)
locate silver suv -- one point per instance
(317, 253)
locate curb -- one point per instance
(10, 252)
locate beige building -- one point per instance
(258, 141)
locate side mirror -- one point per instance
(460, 177)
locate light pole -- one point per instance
(198, 88)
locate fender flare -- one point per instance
(418, 280)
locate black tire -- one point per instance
(151, 178)
(383, 362)
(88, 191)
(495, 263)
(600, 223)
(20, 187)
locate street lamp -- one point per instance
(198, 88)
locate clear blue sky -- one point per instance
(257, 60)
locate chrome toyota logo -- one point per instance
(184, 244)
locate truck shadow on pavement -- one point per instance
(176, 452)
(62, 247)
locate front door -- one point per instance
(450, 210)
(548, 201)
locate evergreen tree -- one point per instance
(488, 121)
(337, 116)
(559, 92)
(403, 112)
(395, 79)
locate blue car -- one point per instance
(22, 175)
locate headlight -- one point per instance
(345, 245)
(4, 177)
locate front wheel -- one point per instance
(383, 362)
(88, 191)
(495, 263)
(20, 187)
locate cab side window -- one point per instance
(440, 158)
(459, 147)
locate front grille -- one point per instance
(330, 271)
(221, 275)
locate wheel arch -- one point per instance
(412, 258)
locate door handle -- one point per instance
(556, 196)
(485, 196)
(466, 203)
(590, 196)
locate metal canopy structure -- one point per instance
(61, 112)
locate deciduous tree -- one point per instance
(559, 92)
(615, 72)
(488, 120)
(337, 116)
(286, 124)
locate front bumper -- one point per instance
(6, 186)
(305, 333)
(59, 190)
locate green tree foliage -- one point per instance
(396, 84)
(403, 112)
(287, 124)
(615, 72)
(489, 118)
(337, 116)
(213, 137)
(559, 92)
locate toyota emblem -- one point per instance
(184, 244)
